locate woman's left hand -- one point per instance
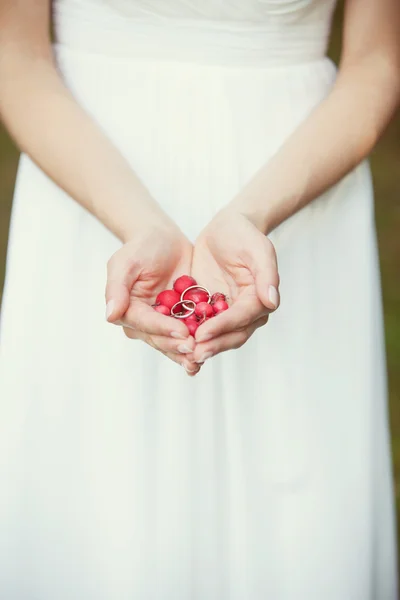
(233, 257)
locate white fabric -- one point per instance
(266, 476)
(252, 33)
(223, 11)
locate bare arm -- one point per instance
(49, 125)
(344, 128)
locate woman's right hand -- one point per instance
(136, 273)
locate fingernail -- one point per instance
(178, 336)
(188, 370)
(191, 374)
(204, 338)
(273, 295)
(204, 357)
(183, 349)
(109, 308)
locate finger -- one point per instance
(159, 343)
(168, 344)
(191, 367)
(244, 311)
(227, 341)
(120, 279)
(164, 343)
(264, 268)
(143, 317)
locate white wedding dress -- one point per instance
(268, 475)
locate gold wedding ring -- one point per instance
(196, 287)
(183, 303)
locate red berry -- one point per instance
(192, 317)
(220, 306)
(218, 296)
(168, 298)
(203, 309)
(197, 296)
(183, 282)
(192, 326)
(164, 310)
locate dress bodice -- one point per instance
(248, 31)
(257, 11)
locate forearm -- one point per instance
(49, 125)
(334, 139)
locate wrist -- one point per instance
(249, 208)
(154, 221)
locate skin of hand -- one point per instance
(136, 273)
(337, 135)
(232, 256)
(39, 110)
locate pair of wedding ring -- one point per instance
(184, 303)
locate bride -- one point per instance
(214, 139)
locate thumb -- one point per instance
(265, 272)
(117, 300)
(121, 275)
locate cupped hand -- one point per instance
(136, 273)
(232, 256)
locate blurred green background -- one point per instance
(385, 164)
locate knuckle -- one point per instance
(132, 320)
(241, 338)
(159, 343)
(129, 324)
(248, 322)
(129, 333)
(151, 342)
(245, 323)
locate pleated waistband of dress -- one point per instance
(227, 43)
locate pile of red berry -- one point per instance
(190, 301)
